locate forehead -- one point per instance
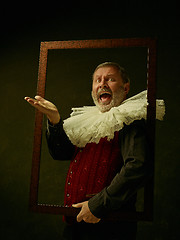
(105, 71)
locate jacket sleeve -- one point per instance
(59, 145)
(133, 174)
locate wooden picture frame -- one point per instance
(150, 44)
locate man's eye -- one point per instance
(111, 79)
(98, 80)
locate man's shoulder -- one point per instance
(136, 123)
(135, 126)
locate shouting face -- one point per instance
(108, 89)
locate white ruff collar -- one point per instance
(88, 124)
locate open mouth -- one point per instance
(105, 98)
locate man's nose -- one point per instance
(103, 83)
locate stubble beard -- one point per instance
(117, 98)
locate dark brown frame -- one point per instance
(150, 44)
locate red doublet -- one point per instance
(92, 169)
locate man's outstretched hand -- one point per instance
(85, 213)
(46, 107)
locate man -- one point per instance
(107, 146)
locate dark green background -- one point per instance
(22, 30)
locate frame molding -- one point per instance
(150, 44)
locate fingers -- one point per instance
(85, 213)
(87, 217)
(77, 205)
(36, 103)
(80, 215)
(30, 100)
(39, 98)
(26, 98)
(40, 101)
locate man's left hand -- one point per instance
(85, 213)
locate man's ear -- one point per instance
(126, 87)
